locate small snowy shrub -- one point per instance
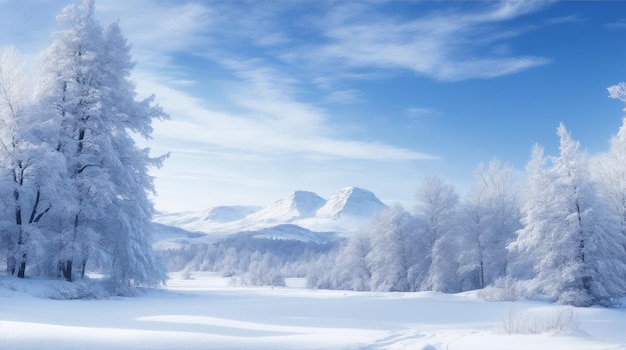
(563, 321)
(234, 282)
(85, 289)
(187, 275)
(264, 278)
(503, 289)
(575, 298)
(227, 273)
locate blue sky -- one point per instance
(268, 97)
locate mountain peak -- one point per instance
(351, 201)
(306, 202)
(298, 205)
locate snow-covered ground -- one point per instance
(206, 312)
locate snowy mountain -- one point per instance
(351, 201)
(302, 213)
(298, 205)
(167, 236)
(219, 214)
(346, 211)
(222, 214)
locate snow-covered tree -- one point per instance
(610, 168)
(611, 171)
(436, 210)
(84, 86)
(395, 251)
(264, 270)
(352, 268)
(29, 168)
(490, 219)
(568, 237)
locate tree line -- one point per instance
(561, 236)
(73, 182)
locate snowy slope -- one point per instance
(166, 236)
(298, 205)
(351, 201)
(219, 214)
(222, 214)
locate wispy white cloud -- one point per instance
(417, 117)
(565, 19)
(447, 46)
(619, 24)
(269, 122)
(158, 30)
(348, 96)
(419, 112)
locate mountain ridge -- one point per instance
(344, 212)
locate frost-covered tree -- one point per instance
(264, 270)
(85, 89)
(611, 172)
(352, 269)
(395, 251)
(490, 218)
(29, 168)
(436, 210)
(533, 202)
(568, 237)
(610, 168)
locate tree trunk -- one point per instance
(21, 272)
(20, 239)
(66, 270)
(82, 270)
(11, 265)
(586, 278)
(482, 275)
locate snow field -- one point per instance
(207, 312)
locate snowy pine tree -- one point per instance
(85, 88)
(490, 218)
(612, 168)
(436, 209)
(568, 238)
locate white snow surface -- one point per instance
(345, 212)
(205, 312)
